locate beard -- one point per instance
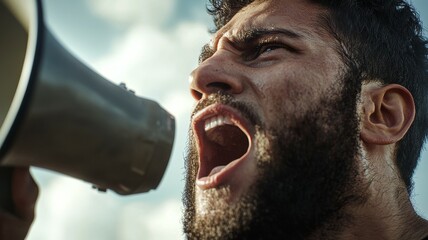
(307, 176)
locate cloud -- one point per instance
(69, 209)
(155, 63)
(129, 12)
(151, 221)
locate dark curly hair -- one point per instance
(384, 39)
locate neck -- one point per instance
(388, 212)
(389, 219)
(386, 215)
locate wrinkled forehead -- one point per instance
(300, 16)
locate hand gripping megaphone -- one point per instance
(58, 114)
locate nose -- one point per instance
(216, 74)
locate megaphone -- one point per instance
(58, 114)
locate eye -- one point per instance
(263, 49)
(267, 48)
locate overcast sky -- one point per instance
(152, 46)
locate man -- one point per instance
(310, 119)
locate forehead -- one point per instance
(299, 16)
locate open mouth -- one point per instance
(223, 138)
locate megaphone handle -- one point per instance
(6, 203)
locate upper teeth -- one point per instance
(217, 121)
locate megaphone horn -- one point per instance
(57, 113)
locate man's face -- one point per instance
(274, 134)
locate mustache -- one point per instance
(246, 109)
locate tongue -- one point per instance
(216, 170)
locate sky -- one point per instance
(151, 46)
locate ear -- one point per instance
(388, 112)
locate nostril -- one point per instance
(196, 94)
(219, 86)
(212, 87)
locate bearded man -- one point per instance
(309, 122)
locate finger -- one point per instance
(13, 228)
(24, 193)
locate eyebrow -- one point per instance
(251, 35)
(246, 37)
(206, 53)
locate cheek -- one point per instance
(291, 89)
(289, 99)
